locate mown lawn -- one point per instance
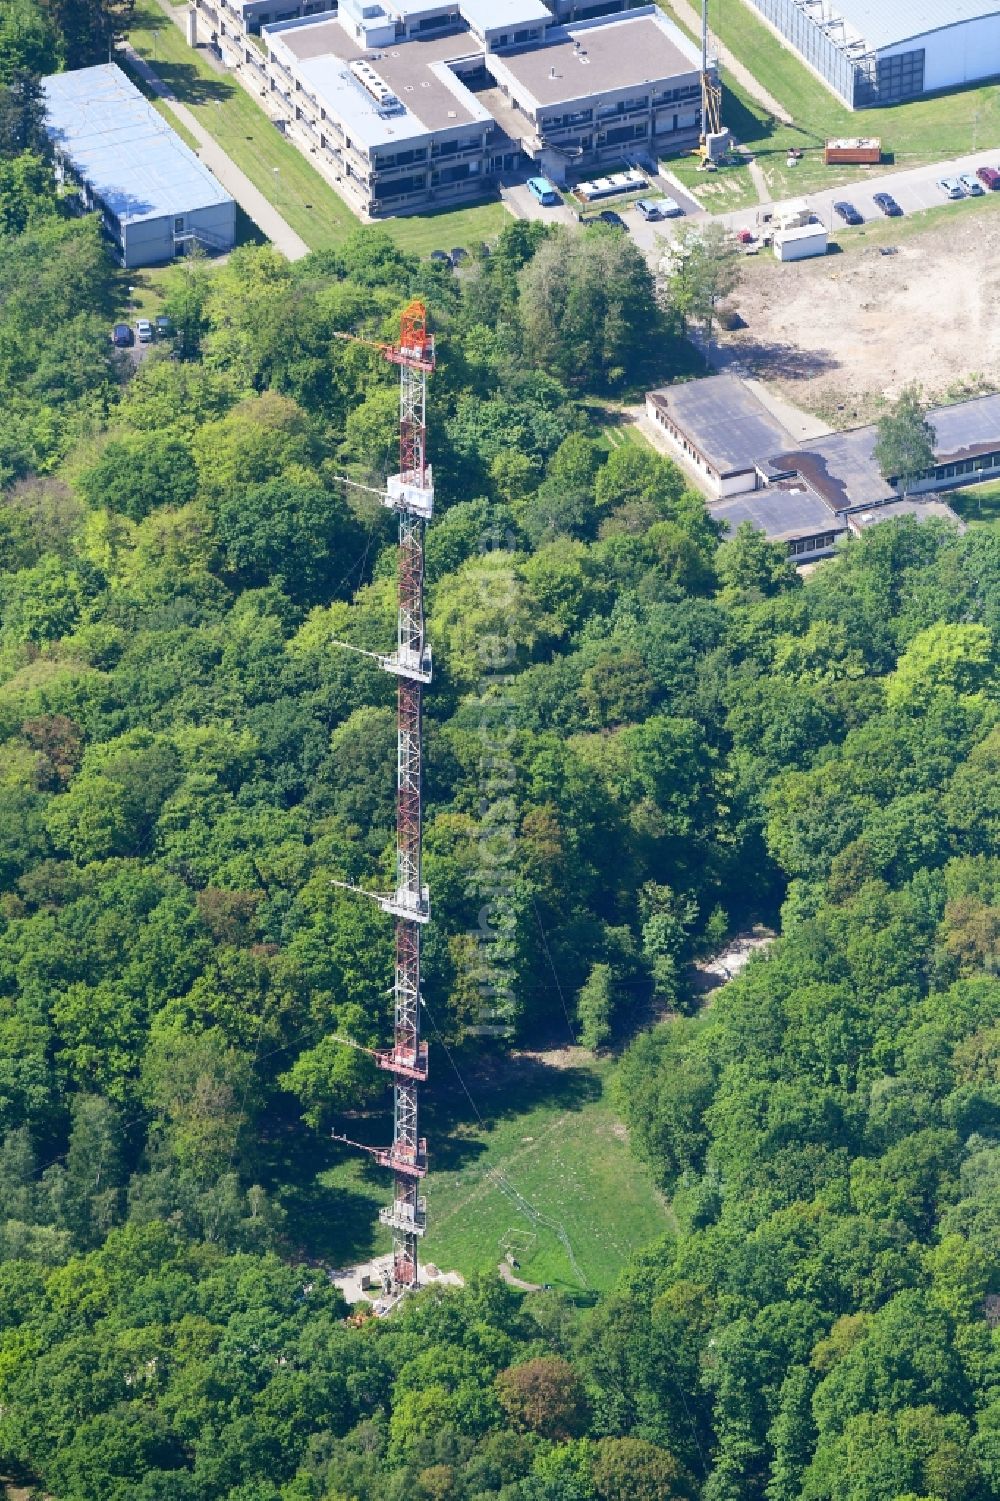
(448, 228)
(979, 505)
(546, 1173)
(921, 130)
(286, 178)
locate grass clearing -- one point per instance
(979, 505)
(540, 1166)
(448, 228)
(919, 131)
(547, 1173)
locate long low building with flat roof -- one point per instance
(808, 495)
(720, 428)
(155, 197)
(415, 104)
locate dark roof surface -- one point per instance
(734, 432)
(924, 508)
(782, 512)
(724, 420)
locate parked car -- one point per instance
(542, 189)
(441, 257)
(458, 255)
(950, 187)
(888, 205)
(972, 186)
(164, 327)
(989, 177)
(122, 336)
(144, 330)
(847, 212)
(608, 216)
(658, 208)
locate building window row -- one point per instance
(563, 122)
(812, 544)
(673, 96)
(978, 465)
(622, 107)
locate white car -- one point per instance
(971, 184)
(144, 330)
(950, 187)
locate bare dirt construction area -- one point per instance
(840, 334)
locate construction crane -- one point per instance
(410, 493)
(711, 91)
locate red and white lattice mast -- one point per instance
(411, 494)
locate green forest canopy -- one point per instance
(664, 738)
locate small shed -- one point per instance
(801, 242)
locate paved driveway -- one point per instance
(524, 205)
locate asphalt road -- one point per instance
(914, 189)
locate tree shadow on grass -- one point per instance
(515, 1086)
(189, 86)
(333, 1223)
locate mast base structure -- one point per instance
(410, 493)
(712, 134)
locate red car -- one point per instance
(989, 177)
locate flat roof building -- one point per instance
(874, 52)
(923, 508)
(720, 427)
(789, 512)
(156, 198)
(808, 495)
(601, 90)
(413, 104)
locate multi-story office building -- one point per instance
(412, 104)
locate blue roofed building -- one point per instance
(155, 197)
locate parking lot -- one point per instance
(915, 189)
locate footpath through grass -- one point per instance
(919, 131)
(286, 178)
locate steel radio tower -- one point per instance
(411, 494)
